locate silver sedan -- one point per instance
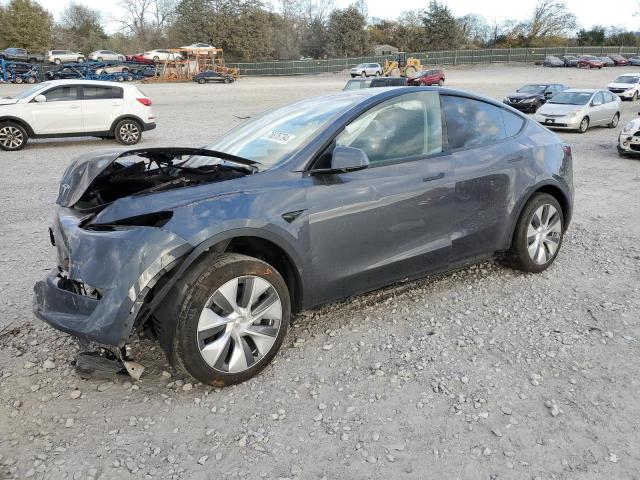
(579, 109)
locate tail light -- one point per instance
(145, 101)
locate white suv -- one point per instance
(366, 70)
(75, 108)
(64, 56)
(626, 86)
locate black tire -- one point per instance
(228, 80)
(80, 59)
(192, 294)
(99, 59)
(18, 80)
(440, 82)
(363, 74)
(614, 121)
(57, 61)
(128, 131)
(56, 77)
(18, 136)
(156, 59)
(635, 96)
(353, 76)
(31, 80)
(584, 125)
(202, 81)
(518, 254)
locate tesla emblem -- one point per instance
(64, 189)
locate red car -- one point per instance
(138, 57)
(427, 77)
(589, 61)
(619, 60)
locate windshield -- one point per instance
(571, 98)
(30, 91)
(275, 136)
(532, 89)
(357, 84)
(626, 79)
(362, 65)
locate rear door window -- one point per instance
(101, 92)
(472, 123)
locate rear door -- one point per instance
(392, 220)
(489, 164)
(101, 105)
(610, 106)
(61, 113)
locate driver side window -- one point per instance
(62, 94)
(405, 127)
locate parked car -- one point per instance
(579, 109)
(532, 96)
(139, 58)
(626, 86)
(427, 77)
(570, 60)
(552, 61)
(64, 56)
(635, 61)
(215, 248)
(198, 46)
(618, 60)
(79, 108)
(589, 61)
(629, 139)
(366, 70)
(67, 72)
(106, 56)
(209, 76)
(607, 62)
(161, 55)
(357, 83)
(21, 55)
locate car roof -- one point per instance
(56, 83)
(582, 90)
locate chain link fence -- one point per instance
(445, 57)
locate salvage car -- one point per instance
(211, 76)
(626, 86)
(427, 77)
(629, 139)
(75, 108)
(589, 61)
(532, 96)
(552, 61)
(212, 249)
(579, 109)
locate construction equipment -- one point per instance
(401, 66)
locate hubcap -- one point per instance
(129, 132)
(11, 137)
(544, 234)
(239, 324)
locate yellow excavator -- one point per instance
(402, 66)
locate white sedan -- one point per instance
(198, 47)
(106, 56)
(161, 55)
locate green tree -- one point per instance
(315, 39)
(617, 37)
(80, 29)
(442, 30)
(347, 34)
(25, 24)
(594, 36)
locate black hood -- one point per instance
(523, 96)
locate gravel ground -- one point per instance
(485, 373)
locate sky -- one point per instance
(589, 12)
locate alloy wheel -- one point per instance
(11, 138)
(544, 234)
(584, 125)
(239, 324)
(129, 132)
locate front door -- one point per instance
(61, 113)
(392, 220)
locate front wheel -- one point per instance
(584, 125)
(201, 81)
(80, 59)
(57, 61)
(18, 80)
(99, 59)
(363, 74)
(232, 316)
(635, 96)
(614, 121)
(13, 136)
(538, 235)
(128, 132)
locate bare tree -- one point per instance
(549, 17)
(146, 20)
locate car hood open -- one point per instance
(86, 169)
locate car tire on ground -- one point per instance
(363, 74)
(614, 121)
(231, 316)
(538, 234)
(440, 82)
(128, 131)
(635, 96)
(378, 74)
(13, 136)
(202, 81)
(584, 125)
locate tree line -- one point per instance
(252, 30)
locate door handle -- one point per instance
(437, 176)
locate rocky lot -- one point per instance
(485, 373)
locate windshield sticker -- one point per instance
(278, 137)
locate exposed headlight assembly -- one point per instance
(157, 220)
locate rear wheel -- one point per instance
(128, 132)
(12, 136)
(440, 82)
(201, 81)
(156, 59)
(31, 80)
(584, 125)
(80, 59)
(538, 235)
(99, 59)
(57, 61)
(614, 121)
(18, 80)
(231, 318)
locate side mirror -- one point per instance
(596, 103)
(548, 94)
(345, 159)
(40, 99)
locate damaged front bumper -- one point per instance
(103, 277)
